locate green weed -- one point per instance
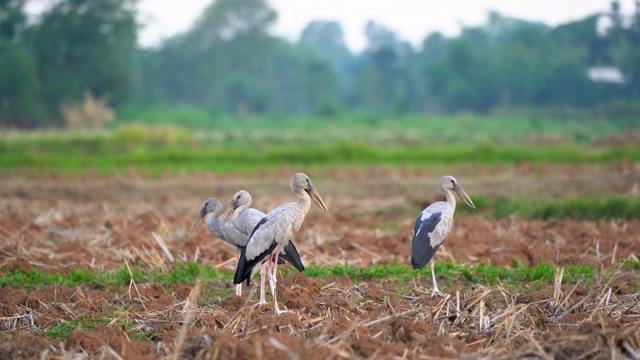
(589, 207)
(61, 329)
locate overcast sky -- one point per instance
(411, 19)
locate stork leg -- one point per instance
(435, 291)
(265, 270)
(272, 277)
(238, 286)
(273, 288)
(263, 274)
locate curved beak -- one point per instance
(316, 197)
(198, 219)
(227, 215)
(463, 195)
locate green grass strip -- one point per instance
(585, 208)
(155, 150)
(480, 274)
(119, 279)
(189, 272)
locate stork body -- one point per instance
(434, 224)
(244, 219)
(272, 233)
(237, 231)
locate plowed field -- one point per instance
(103, 224)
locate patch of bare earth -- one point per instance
(99, 223)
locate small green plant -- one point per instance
(60, 330)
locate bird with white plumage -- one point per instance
(244, 220)
(274, 232)
(434, 224)
(237, 231)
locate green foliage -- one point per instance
(264, 143)
(76, 46)
(589, 207)
(19, 82)
(85, 45)
(228, 64)
(631, 265)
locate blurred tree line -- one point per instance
(229, 63)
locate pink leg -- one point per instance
(263, 272)
(275, 280)
(238, 286)
(272, 283)
(435, 291)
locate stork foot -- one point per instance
(259, 303)
(280, 312)
(436, 293)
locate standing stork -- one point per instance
(273, 232)
(244, 219)
(434, 224)
(236, 234)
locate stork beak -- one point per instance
(463, 195)
(227, 215)
(316, 197)
(198, 219)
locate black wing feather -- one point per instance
(421, 250)
(260, 223)
(290, 253)
(243, 271)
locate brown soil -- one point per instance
(99, 223)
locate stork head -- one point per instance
(449, 183)
(300, 182)
(212, 205)
(242, 199)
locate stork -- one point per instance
(235, 234)
(244, 219)
(273, 232)
(434, 224)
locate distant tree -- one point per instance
(385, 81)
(320, 87)
(326, 40)
(434, 47)
(521, 65)
(19, 84)
(85, 45)
(226, 19)
(584, 33)
(228, 62)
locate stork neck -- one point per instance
(212, 224)
(237, 212)
(235, 219)
(451, 198)
(304, 200)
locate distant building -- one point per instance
(607, 74)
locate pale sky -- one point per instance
(412, 20)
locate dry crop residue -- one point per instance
(96, 224)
